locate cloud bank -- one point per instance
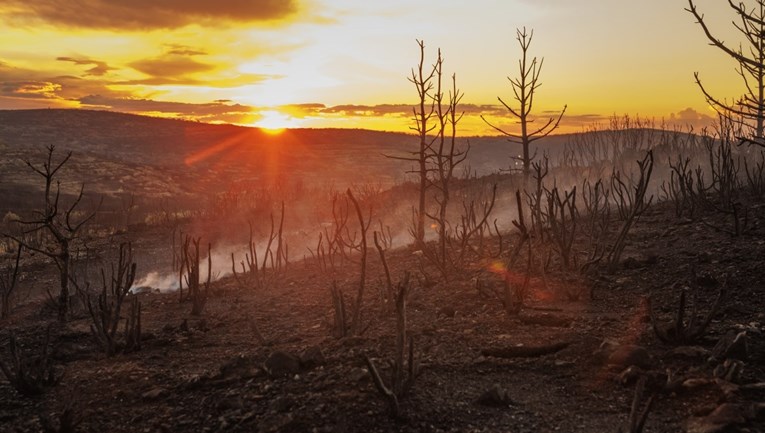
(136, 15)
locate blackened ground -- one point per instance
(205, 374)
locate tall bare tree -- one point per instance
(748, 111)
(60, 224)
(422, 77)
(525, 87)
(445, 157)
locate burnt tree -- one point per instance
(60, 225)
(748, 111)
(525, 87)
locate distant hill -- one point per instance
(117, 153)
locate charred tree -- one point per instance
(748, 111)
(525, 87)
(60, 225)
(423, 79)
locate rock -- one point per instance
(707, 280)
(721, 419)
(605, 349)
(729, 390)
(689, 352)
(630, 375)
(357, 374)
(695, 383)
(730, 370)
(631, 263)
(137, 290)
(240, 367)
(447, 311)
(495, 396)
(732, 345)
(759, 386)
(312, 358)
(281, 363)
(628, 355)
(202, 326)
(277, 423)
(154, 393)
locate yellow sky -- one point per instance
(345, 63)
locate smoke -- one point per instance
(167, 281)
(162, 282)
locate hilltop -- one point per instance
(117, 153)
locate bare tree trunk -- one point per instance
(63, 296)
(524, 89)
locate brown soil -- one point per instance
(209, 376)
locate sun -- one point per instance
(274, 122)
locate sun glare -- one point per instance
(274, 122)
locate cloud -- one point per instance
(369, 110)
(184, 50)
(170, 66)
(135, 105)
(99, 68)
(18, 82)
(29, 89)
(209, 81)
(134, 15)
(691, 117)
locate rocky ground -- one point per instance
(211, 373)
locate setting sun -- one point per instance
(274, 122)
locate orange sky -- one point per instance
(345, 63)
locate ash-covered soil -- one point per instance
(211, 373)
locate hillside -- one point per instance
(508, 337)
(116, 153)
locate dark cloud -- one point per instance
(184, 50)
(144, 14)
(691, 117)
(99, 68)
(579, 119)
(239, 80)
(212, 109)
(170, 66)
(29, 89)
(370, 110)
(406, 110)
(27, 83)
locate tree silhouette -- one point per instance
(748, 112)
(60, 225)
(524, 89)
(423, 79)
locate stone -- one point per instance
(630, 375)
(154, 393)
(495, 396)
(730, 370)
(732, 345)
(240, 367)
(695, 383)
(689, 352)
(312, 358)
(281, 363)
(722, 419)
(629, 354)
(447, 311)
